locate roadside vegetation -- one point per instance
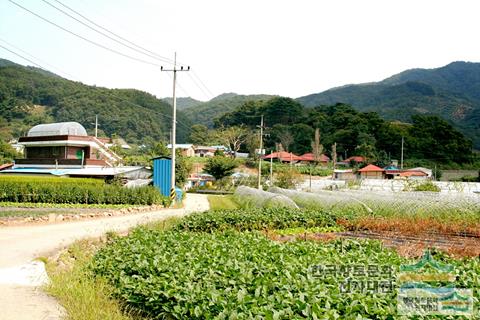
(218, 202)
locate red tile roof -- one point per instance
(6, 166)
(413, 174)
(355, 158)
(371, 168)
(283, 156)
(310, 157)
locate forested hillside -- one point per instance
(453, 92)
(428, 138)
(29, 96)
(206, 112)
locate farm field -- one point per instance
(71, 191)
(270, 263)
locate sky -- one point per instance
(288, 48)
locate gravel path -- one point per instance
(21, 277)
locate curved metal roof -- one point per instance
(57, 129)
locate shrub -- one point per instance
(427, 186)
(220, 166)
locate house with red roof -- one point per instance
(310, 157)
(283, 156)
(371, 172)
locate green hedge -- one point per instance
(70, 190)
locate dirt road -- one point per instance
(20, 277)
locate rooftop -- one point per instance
(57, 129)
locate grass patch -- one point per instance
(27, 213)
(222, 202)
(84, 296)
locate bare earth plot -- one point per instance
(21, 277)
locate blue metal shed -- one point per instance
(162, 173)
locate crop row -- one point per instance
(225, 275)
(66, 191)
(255, 219)
(237, 275)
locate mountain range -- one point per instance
(29, 95)
(452, 92)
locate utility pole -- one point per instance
(174, 121)
(401, 156)
(334, 158)
(259, 186)
(271, 168)
(96, 126)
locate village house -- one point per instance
(186, 149)
(65, 149)
(371, 172)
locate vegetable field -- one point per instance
(260, 264)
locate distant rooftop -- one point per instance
(57, 129)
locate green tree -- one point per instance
(7, 153)
(233, 137)
(220, 166)
(200, 135)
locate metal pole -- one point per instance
(96, 126)
(401, 157)
(271, 168)
(174, 122)
(259, 186)
(174, 125)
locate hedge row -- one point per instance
(67, 190)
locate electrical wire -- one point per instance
(115, 34)
(43, 62)
(104, 34)
(83, 38)
(19, 55)
(112, 96)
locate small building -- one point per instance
(352, 159)
(204, 151)
(413, 174)
(64, 145)
(186, 149)
(371, 172)
(310, 157)
(283, 156)
(344, 174)
(64, 149)
(428, 172)
(392, 172)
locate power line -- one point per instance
(32, 56)
(83, 38)
(110, 94)
(19, 55)
(102, 33)
(199, 87)
(203, 84)
(115, 34)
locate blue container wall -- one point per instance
(162, 174)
